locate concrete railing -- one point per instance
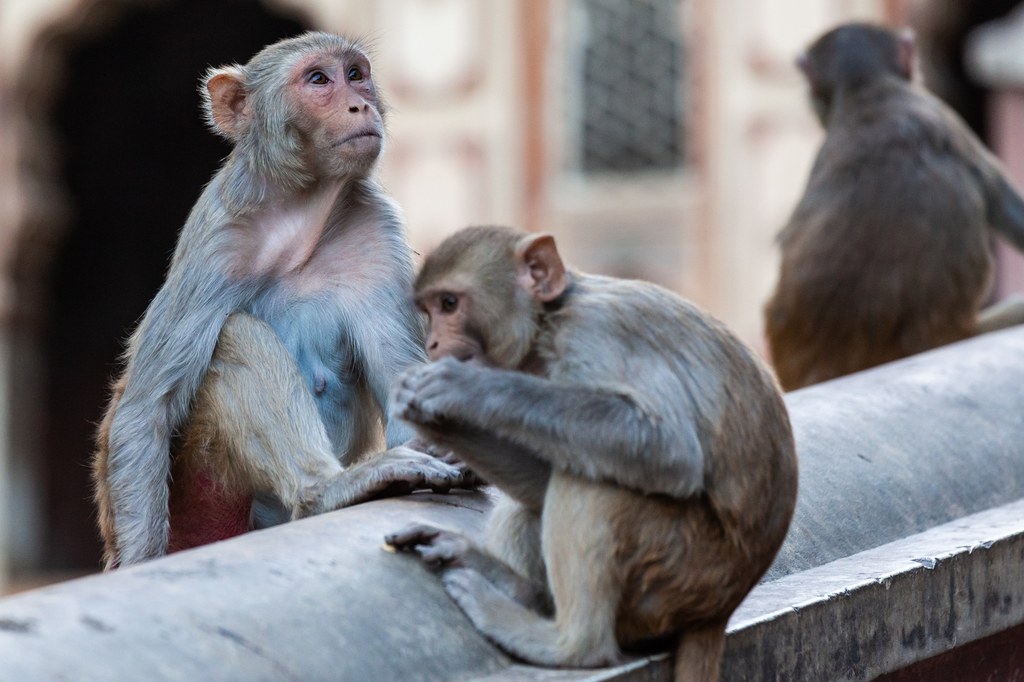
(907, 540)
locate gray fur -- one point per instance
(591, 416)
(645, 455)
(349, 338)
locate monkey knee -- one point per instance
(267, 510)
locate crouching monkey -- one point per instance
(262, 367)
(645, 455)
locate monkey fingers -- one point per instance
(397, 471)
(426, 443)
(470, 480)
(436, 547)
(406, 539)
(403, 470)
(433, 394)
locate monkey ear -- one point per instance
(539, 268)
(906, 53)
(226, 102)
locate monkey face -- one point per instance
(450, 329)
(337, 111)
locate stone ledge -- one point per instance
(892, 457)
(886, 608)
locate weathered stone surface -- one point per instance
(885, 608)
(318, 599)
(884, 454)
(901, 448)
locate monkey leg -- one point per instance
(256, 413)
(579, 554)
(256, 417)
(512, 561)
(513, 538)
(444, 550)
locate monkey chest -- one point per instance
(318, 337)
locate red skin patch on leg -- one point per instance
(203, 510)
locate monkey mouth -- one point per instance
(360, 136)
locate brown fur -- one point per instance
(645, 453)
(886, 254)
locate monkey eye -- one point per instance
(318, 78)
(355, 74)
(449, 303)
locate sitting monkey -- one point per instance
(887, 252)
(255, 386)
(644, 454)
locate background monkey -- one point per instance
(886, 254)
(645, 455)
(263, 364)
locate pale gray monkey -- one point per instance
(262, 367)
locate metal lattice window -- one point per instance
(629, 73)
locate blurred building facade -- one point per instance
(662, 139)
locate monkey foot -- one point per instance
(436, 547)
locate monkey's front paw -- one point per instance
(436, 547)
(401, 470)
(470, 479)
(432, 394)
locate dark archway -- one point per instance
(135, 154)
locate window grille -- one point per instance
(628, 76)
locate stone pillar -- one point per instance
(995, 59)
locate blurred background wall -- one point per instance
(661, 139)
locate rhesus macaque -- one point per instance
(262, 367)
(645, 455)
(887, 253)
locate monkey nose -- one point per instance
(357, 104)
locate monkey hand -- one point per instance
(435, 394)
(397, 471)
(470, 479)
(401, 470)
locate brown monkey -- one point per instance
(645, 455)
(262, 366)
(886, 254)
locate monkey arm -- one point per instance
(390, 343)
(596, 432)
(1005, 209)
(167, 359)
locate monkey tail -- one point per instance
(698, 654)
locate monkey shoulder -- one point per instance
(897, 120)
(902, 142)
(642, 327)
